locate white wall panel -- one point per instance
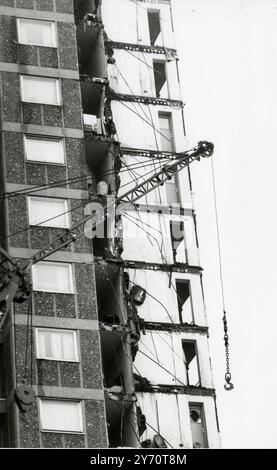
(147, 238)
(165, 364)
(157, 284)
(135, 27)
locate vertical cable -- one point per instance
(228, 377)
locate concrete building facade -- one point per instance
(113, 339)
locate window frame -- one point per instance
(44, 138)
(57, 330)
(80, 412)
(54, 32)
(71, 278)
(66, 212)
(201, 407)
(194, 342)
(42, 78)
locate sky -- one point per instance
(228, 57)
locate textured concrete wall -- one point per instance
(61, 6)
(56, 379)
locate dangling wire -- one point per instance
(228, 377)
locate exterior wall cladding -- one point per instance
(141, 373)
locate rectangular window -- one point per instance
(159, 70)
(36, 32)
(178, 241)
(44, 149)
(56, 345)
(48, 212)
(61, 415)
(42, 90)
(53, 277)
(191, 363)
(154, 24)
(184, 301)
(198, 426)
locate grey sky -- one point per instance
(228, 52)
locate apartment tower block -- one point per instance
(113, 340)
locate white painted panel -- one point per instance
(157, 285)
(124, 75)
(129, 125)
(120, 21)
(151, 246)
(169, 414)
(159, 366)
(170, 419)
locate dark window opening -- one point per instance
(160, 79)
(184, 301)
(154, 27)
(198, 426)
(191, 363)
(178, 242)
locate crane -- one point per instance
(14, 285)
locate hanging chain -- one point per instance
(228, 384)
(228, 377)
